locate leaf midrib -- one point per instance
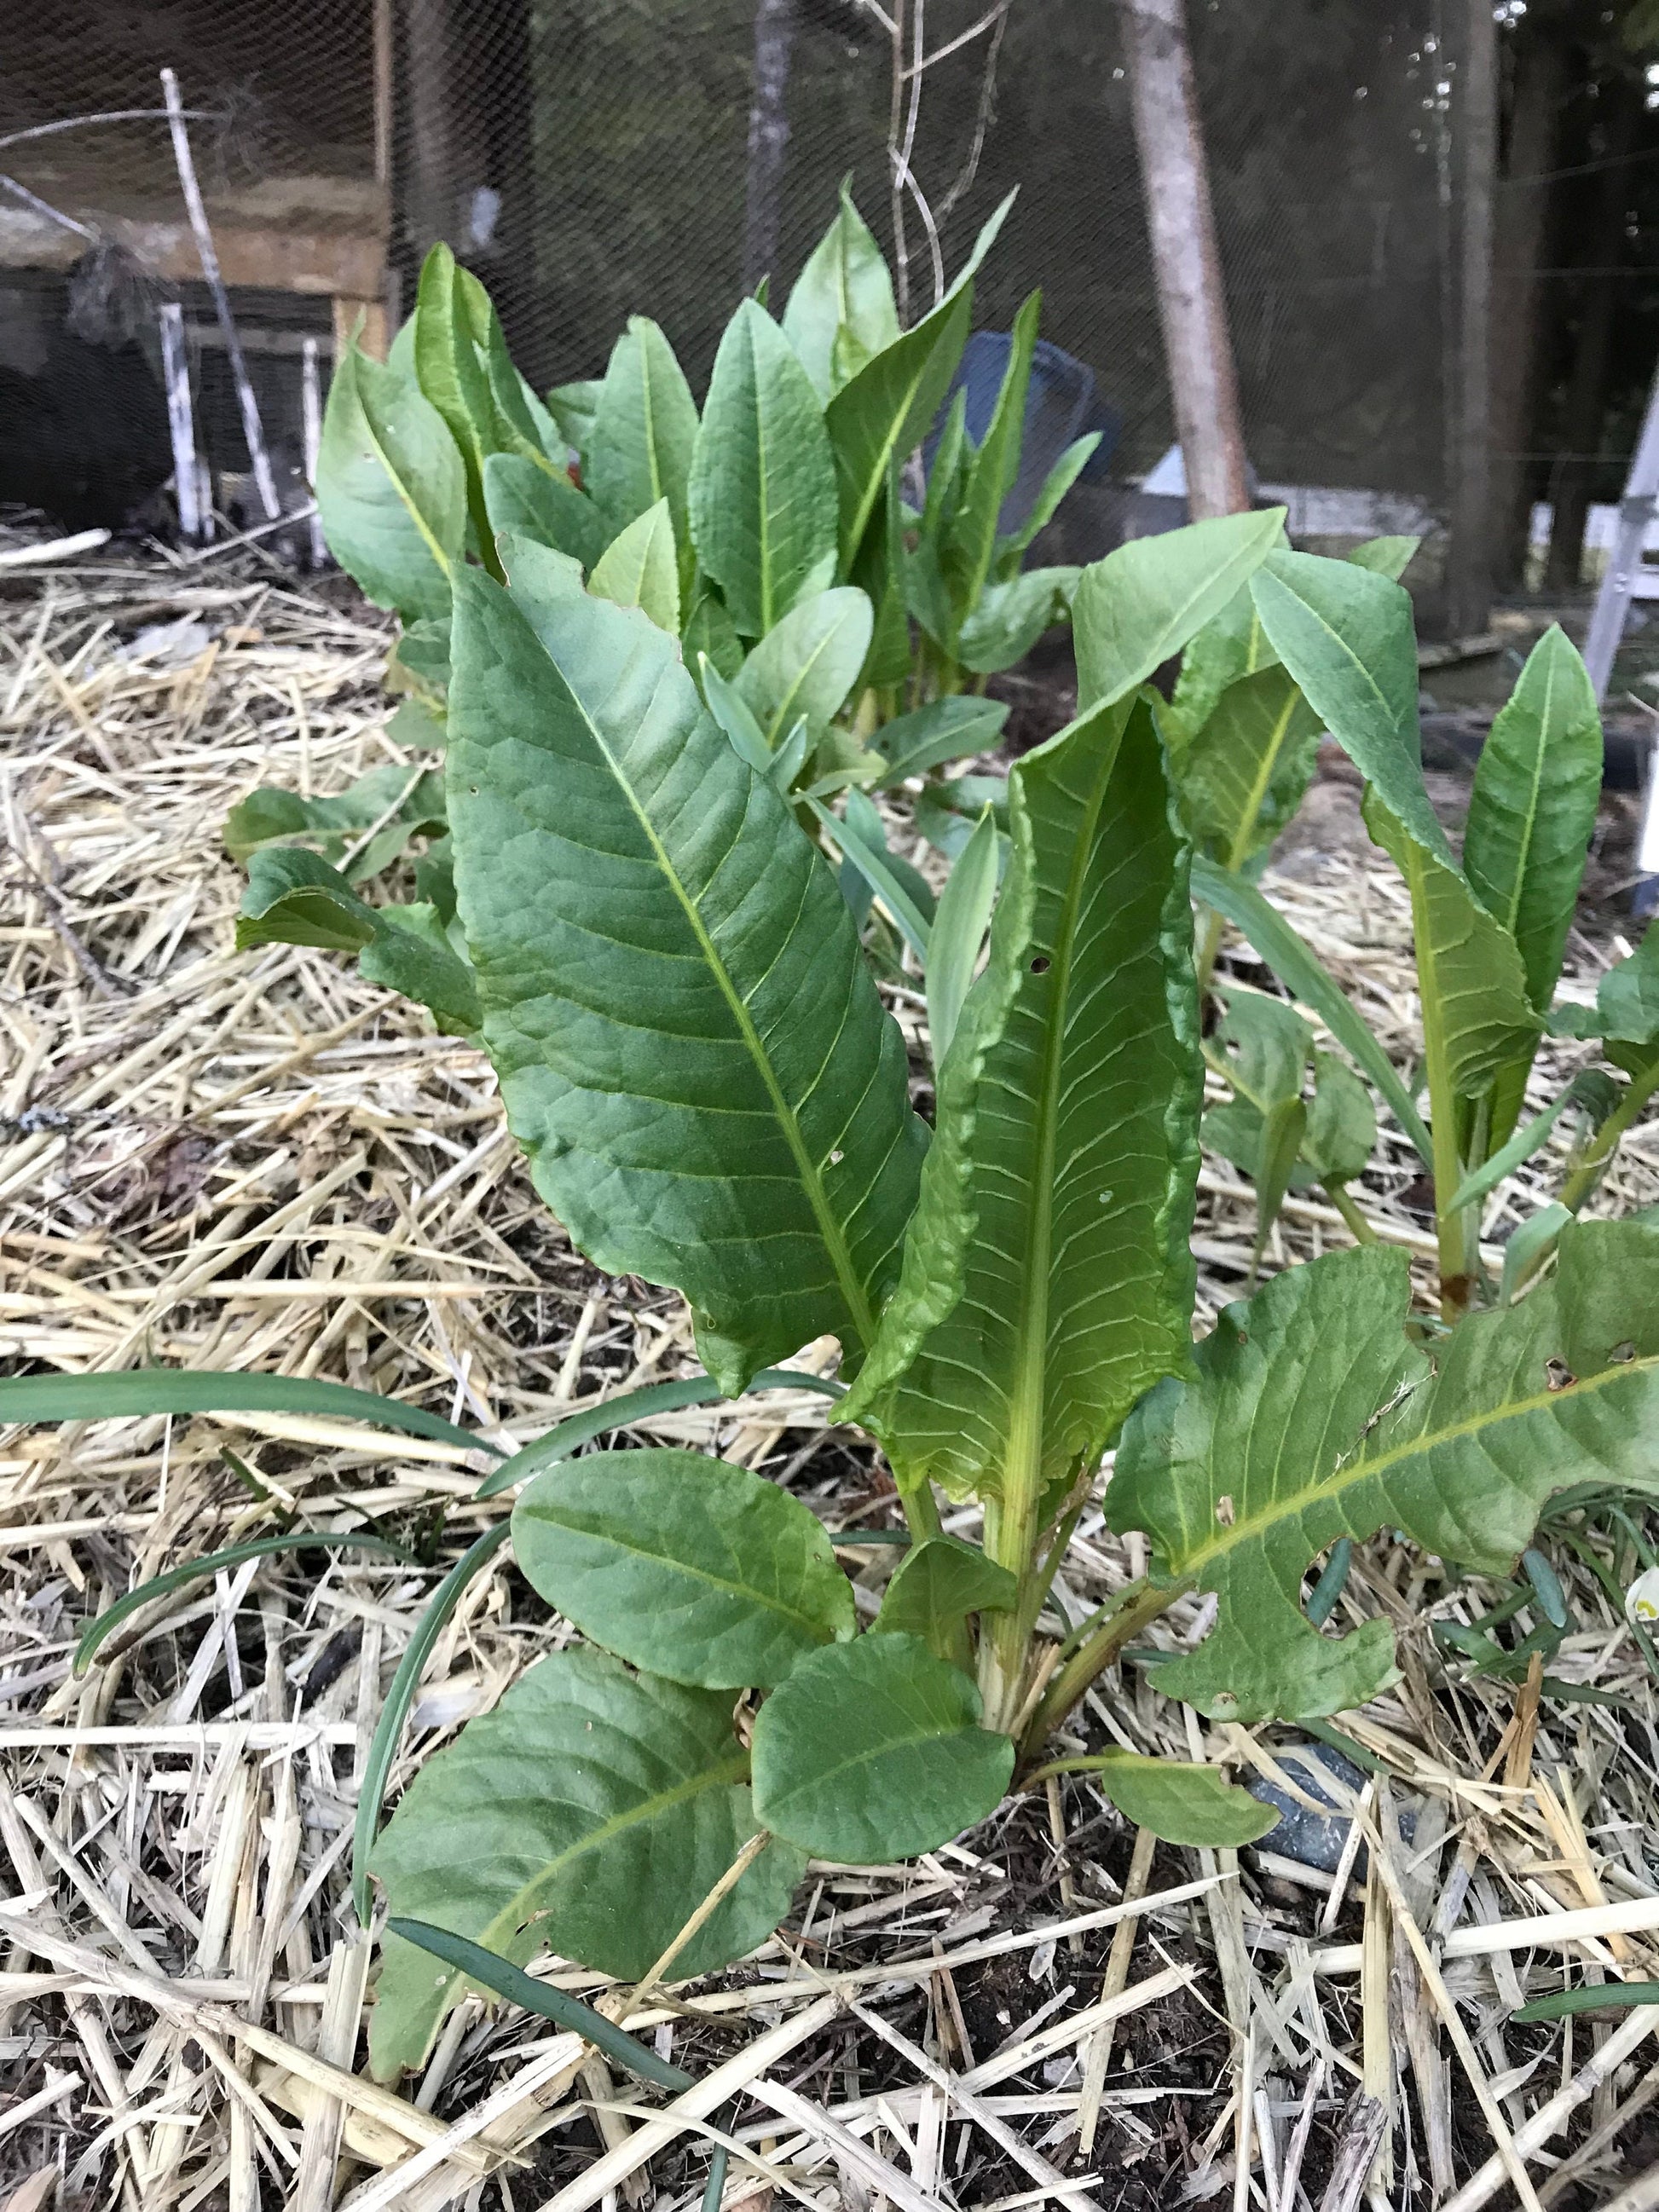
(1257, 1526)
(852, 1289)
(769, 1601)
(1255, 798)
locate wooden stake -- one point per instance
(1468, 563)
(310, 422)
(181, 420)
(1192, 307)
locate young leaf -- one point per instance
(655, 935)
(958, 933)
(638, 569)
(807, 664)
(452, 377)
(1264, 1046)
(1532, 812)
(1065, 1154)
(882, 415)
(1341, 1132)
(1244, 772)
(391, 488)
(881, 870)
(873, 1750)
(1055, 485)
(971, 539)
(1298, 967)
(732, 711)
(790, 759)
(590, 1813)
(936, 1586)
(1315, 1417)
(1592, 1089)
(763, 490)
(1231, 647)
(402, 806)
(841, 311)
(1192, 1805)
(1140, 605)
(679, 1564)
(573, 408)
(1007, 619)
(644, 430)
(522, 498)
(952, 729)
(419, 661)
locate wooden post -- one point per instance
(1469, 561)
(768, 139)
(311, 423)
(1191, 306)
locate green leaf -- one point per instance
(841, 311)
(1341, 1132)
(1315, 1417)
(1196, 1805)
(682, 1566)
(1346, 635)
(639, 569)
(936, 1586)
(879, 418)
(621, 1411)
(644, 430)
(144, 1391)
(656, 937)
(1297, 966)
(573, 407)
(1590, 1996)
(1263, 1046)
(394, 1711)
(293, 897)
(763, 490)
(1009, 618)
(420, 662)
(872, 1751)
(971, 541)
(502, 1980)
(878, 569)
(707, 631)
(526, 500)
(732, 713)
(1532, 812)
(1284, 1126)
(949, 729)
(388, 801)
(453, 378)
(958, 934)
(1138, 607)
(1473, 985)
(212, 1563)
(806, 664)
(1231, 647)
(1592, 1089)
(1244, 771)
(590, 1813)
(1046, 1278)
(1055, 485)
(882, 872)
(1385, 556)
(391, 488)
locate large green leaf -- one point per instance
(453, 375)
(841, 311)
(590, 1813)
(1243, 771)
(682, 1565)
(1475, 1007)
(639, 569)
(1190, 1805)
(1532, 812)
(1140, 605)
(548, 508)
(391, 488)
(877, 419)
(1046, 1278)
(872, 1751)
(763, 488)
(971, 542)
(643, 432)
(689, 1044)
(807, 664)
(1315, 1417)
(294, 897)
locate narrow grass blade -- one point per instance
(145, 1390)
(235, 1555)
(511, 1982)
(388, 1730)
(1596, 1996)
(637, 1405)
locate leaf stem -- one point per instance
(1209, 948)
(1456, 1234)
(1338, 1194)
(1138, 1604)
(1584, 1177)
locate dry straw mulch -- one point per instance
(256, 1161)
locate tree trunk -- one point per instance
(768, 139)
(1518, 329)
(1192, 305)
(1468, 562)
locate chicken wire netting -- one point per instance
(598, 158)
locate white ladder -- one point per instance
(1627, 579)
